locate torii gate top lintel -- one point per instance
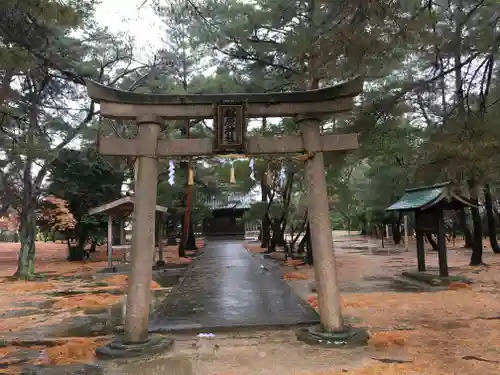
(100, 92)
(127, 105)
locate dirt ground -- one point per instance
(67, 290)
(51, 258)
(439, 333)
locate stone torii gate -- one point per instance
(230, 113)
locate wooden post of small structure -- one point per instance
(325, 269)
(143, 235)
(405, 223)
(122, 231)
(420, 243)
(110, 241)
(442, 256)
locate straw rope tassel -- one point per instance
(232, 178)
(190, 176)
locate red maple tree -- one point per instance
(10, 221)
(54, 215)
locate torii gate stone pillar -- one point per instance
(230, 113)
(143, 238)
(325, 269)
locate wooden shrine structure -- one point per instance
(226, 217)
(225, 222)
(429, 203)
(230, 113)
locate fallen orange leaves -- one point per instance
(6, 350)
(121, 281)
(352, 301)
(254, 248)
(295, 276)
(29, 286)
(386, 339)
(376, 369)
(78, 350)
(86, 301)
(294, 262)
(313, 301)
(116, 280)
(458, 285)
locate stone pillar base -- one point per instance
(119, 348)
(348, 338)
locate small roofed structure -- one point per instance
(122, 208)
(226, 218)
(429, 203)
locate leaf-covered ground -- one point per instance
(32, 310)
(440, 333)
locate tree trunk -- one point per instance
(492, 230)
(433, 243)
(476, 258)
(77, 253)
(396, 229)
(182, 242)
(188, 241)
(462, 219)
(275, 238)
(26, 261)
(296, 238)
(171, 233)
(364, 225)
(302, 244)
(287, 197)
(265, 229)
(186, 217)
(157, 230)
(309, 251)
(191, 238)
(68, 243)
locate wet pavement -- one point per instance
(228, 287)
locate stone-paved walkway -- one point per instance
(227, 287)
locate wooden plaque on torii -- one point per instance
(229, 128)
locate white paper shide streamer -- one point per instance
(252, 170)
(282, 176)
(171, 172)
